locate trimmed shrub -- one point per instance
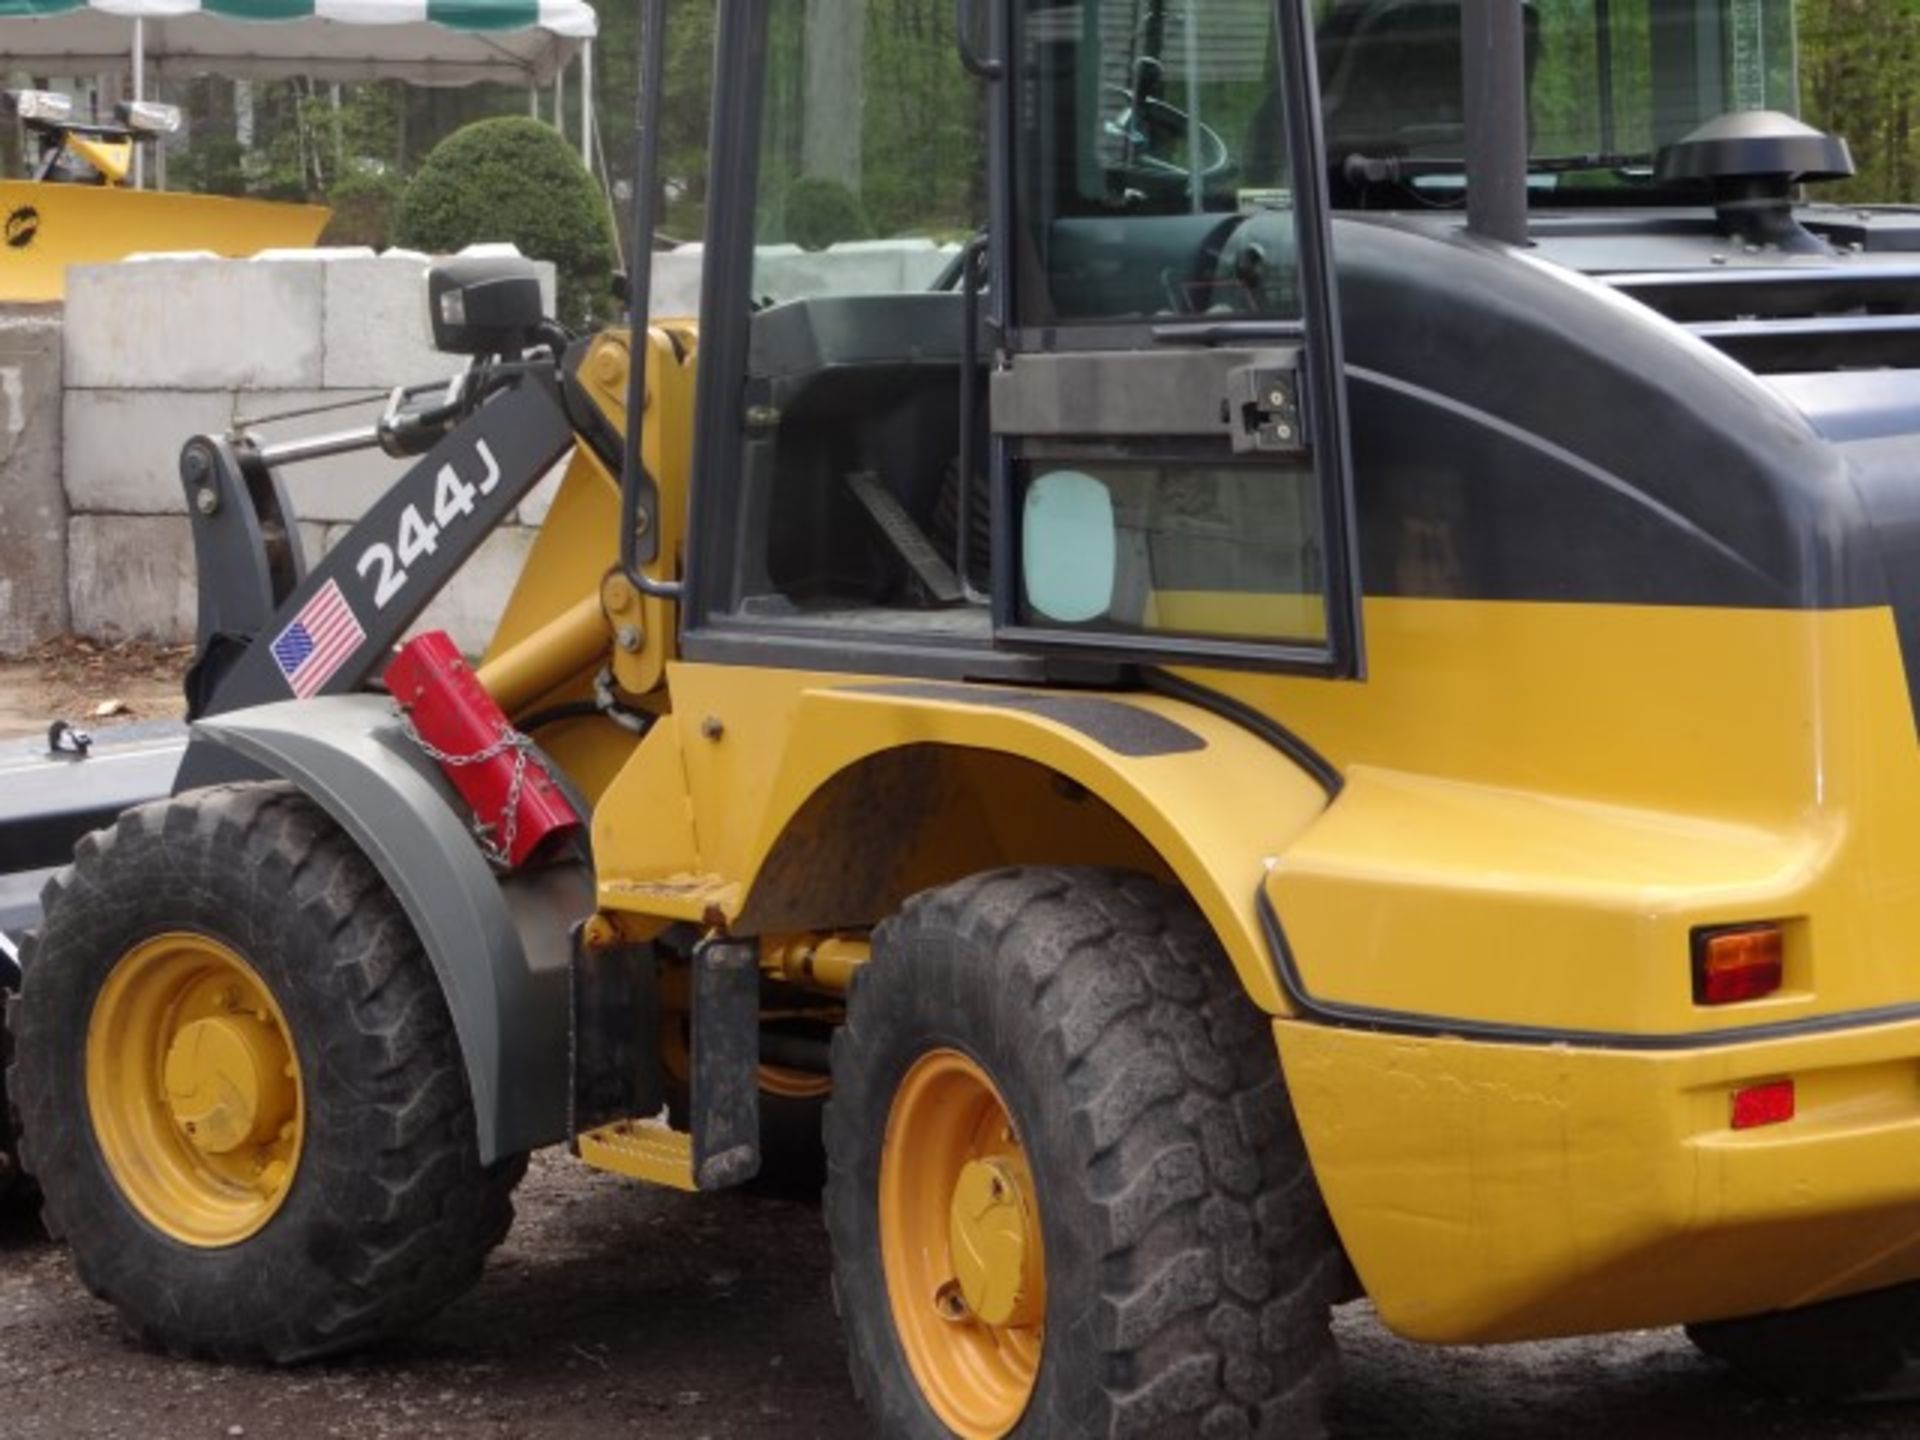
(364, 203)
(816, 213)
(516, 181)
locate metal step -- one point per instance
(642, 1150)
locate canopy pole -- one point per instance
(533, 99)
(560, 99)
(139, 94)
(160, 144)
(586, 106)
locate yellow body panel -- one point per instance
(556, 632)
(48, 227)
(1534, 831)
(112, 158)
(1541, 803)
(1507, 1192)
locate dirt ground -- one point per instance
(93, 684)
(614, 1310)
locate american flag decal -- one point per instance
(321, 638)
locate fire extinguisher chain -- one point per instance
(521, 745)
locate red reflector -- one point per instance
(1740, 964)
(1768, 1104)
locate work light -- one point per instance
(149, 117)
(47, 105)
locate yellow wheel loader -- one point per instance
(1304, 689)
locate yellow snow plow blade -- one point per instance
(46, 228)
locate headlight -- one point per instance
(48, 105)
(149, 117)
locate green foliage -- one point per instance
(1860, 79)
(816, 213)
(515, 180)
(686, 106)
(212, 165)
(923, 149)
(315, 136)
(366, 203)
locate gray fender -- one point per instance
(500, 948)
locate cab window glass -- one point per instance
(872, 169)
(1608, 83)
(1154, 162)
(1196, 549)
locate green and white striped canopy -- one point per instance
(427, 42)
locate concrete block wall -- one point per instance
(33, 507)
(786, 272)
(161, 349)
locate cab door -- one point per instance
(1167, 413)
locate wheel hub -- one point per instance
(994, 1236)
(226, 1082)
(193, 1087)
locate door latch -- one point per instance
(1266, 405)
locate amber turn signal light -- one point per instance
(1735, 963)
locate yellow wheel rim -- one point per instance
(194, 1089)
(960, 1238)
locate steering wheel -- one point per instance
(1146, 133)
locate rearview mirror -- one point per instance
(1071, 547)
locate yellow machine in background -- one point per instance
(77, 210)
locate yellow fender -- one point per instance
(776, 801)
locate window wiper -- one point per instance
(1391, 169)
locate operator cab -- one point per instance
(1151, 484)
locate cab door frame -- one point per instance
(711, 630)
(1205, 347)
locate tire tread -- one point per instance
(419, 1218)
(1217, 1264)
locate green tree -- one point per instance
(514, 180)
(1859, 78)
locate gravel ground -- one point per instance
(614, 1310)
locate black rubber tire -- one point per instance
(391, 1214)
(1190, 1261)
(15, 1190)
(1846, 1349)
